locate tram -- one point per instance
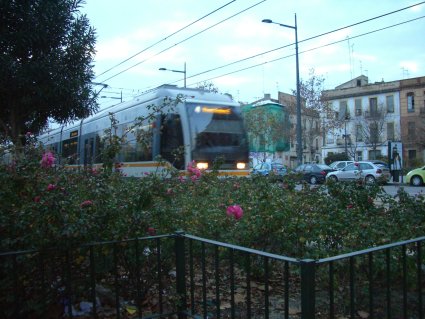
(206, 127)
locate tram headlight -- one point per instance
(240, 165)
(202, 165)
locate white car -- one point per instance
(367, 171)
(339, 165)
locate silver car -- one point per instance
(367, 171)
(339, 165)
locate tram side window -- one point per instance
(88, 151)
(138, 144)
(69, 150)
(97, 156)
(172, 140)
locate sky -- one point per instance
(226, 43)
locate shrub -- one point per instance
(43, 205)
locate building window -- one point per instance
(410, 102)
(390, 131)
(373, 106)
(411, 154)
(359, 156)
(390, 103)
(343, 110)
(374, 154)
(358, 106)
(359, 133)
(411, 130)
(374, 133)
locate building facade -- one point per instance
(311, 131)
(412, 108)
(366, 117)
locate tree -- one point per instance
(267, 128)
(313, 105)
(207, 86)
(46, 62)
(370, 129)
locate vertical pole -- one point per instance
(180, 274)
(308, 298)
(299, 138)
(184, 75)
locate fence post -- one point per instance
(308, 285)
(180, 274)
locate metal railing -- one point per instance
(185, 276)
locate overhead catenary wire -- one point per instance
(304, 40)
(266, 52)
(305, 51)
(273, 50)
(167, 37)
(184, 40)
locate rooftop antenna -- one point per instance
(405, 73)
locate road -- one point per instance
(392, 189)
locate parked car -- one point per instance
(370, 172)
(266, 169)
(313, 173)
(340, 164)
(379, 163)
(416, 177)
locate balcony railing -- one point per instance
(422, 111)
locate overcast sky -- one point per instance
(125, 28)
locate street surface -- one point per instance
(392, 189)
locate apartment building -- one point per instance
(365, 117)
(284, 150)
(412, 108)
(311, 131)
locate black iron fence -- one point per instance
(184, 276)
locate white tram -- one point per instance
(207, 126)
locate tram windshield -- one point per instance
(216, 131)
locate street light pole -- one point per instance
(178, 71)
(298, 107)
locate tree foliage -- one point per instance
(267, 128)
(46, 61)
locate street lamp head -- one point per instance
(267, 21)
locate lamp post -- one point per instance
(178, 71)
(298, 128)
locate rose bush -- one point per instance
(44, 205)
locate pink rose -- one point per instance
(51, 187)
(86, 203)
(47, 160)
(235, 210)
